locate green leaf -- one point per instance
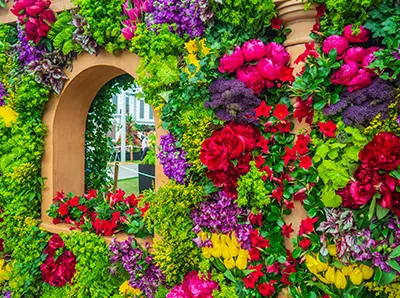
(371, 210)
(331, 199)
(387, 278)
(332, 55)
(319, 105)
(381, 212)
(395, 253)
(228, 274)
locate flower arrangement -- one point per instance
(105, 216)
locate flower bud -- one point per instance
(340, 280)
(241, 262)
(330, 275)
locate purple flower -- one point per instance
(7, 294)
(27, 52)
(3, 94)
(397, 54)
(232, 100)
(173, 159)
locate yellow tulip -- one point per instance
(367, 271)
(311, 264)
(347, 270)
(234, 240)
(233, 250)
(225, 239)
(206, 251)
(323, 279)
(330, 275)
(229, 263)
(216, 251)
(332, 250)
(340, 280)
(320, 265)
(225, 251)
(215, 239)
(241, 262)
(203, 236)
(356, 277)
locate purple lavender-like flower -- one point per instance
(184, 17)
(361, 106)
(3, 94)
(220, 214)
(144, 274)
(232, 100)
(397, 54)
(27, 53)
(7, 294)
(173, 159)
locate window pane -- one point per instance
(141, 111)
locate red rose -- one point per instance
(345, 73)
(382, 153)
(277, 54)
(355, 54)
(251, 77)
(56, 242)
(31, 28)
(229, 63)
(253, 50)
(335, 42)
(268, 70)
(267, 289)
(362, 36)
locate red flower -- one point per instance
(263, 110)
(289, 156)
(289, 205)
(63, 209)
(309, 51)
(250, 281)
(263, 144)
(60, 196)
(284, 126)
(307, 225)
(382, 153)
(276, 23)
(229, 63)
(73, 202)
(335, 42)
(305, 162)
(254, 254)
(144, 209)
(301, 145)
(362, 36)
(300, 195)
(251, 77)
(285, 74)
(305, 243)
(257, 240)
(255, 218)
(91, 194)
(60, 271)
(327, 128)
(253, 50)
(304, 109)
(83, 208)
(267, 289)
(281, 111)
(278, 193)
(260, 161)
(56, 221)
(274, 268)
(286, 230)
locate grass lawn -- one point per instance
(130, 185)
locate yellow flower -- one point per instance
(330, 275)
(241, 262)
(233, 250)
(367, 271)
(340, 280)
(216, 250)
(204, 49)
(332, 250)
(315, 265)
(347, 270)
(356, 277)
(203, 236)
(215, 239)
(9, 115)
(229, 263)
(191, 46)
(126, 289)
(234, 240)
(225, 251)
(207, 252)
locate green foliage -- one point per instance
(98, 147)
(336, 160)
(169, 214)
(104, 19)
(252, 190)
(61, 34)
(254, 15)
(150, 158)
(159, 53)
(92, 278)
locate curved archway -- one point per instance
(63, 162)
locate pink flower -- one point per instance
(355, 54)
(362, 79)
(251, 77)
(229, 63)
(253, 50)
(133, 14)
(267, 69)
(368, 59)
(37, 8)
(178, 292)
(335, 42)
(277, 53)
(345, 73)
(362, 36)
(128, 32)
(194, 287)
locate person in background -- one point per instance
(145, 144)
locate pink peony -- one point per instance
(277, 53)
(335, 42)
(360, 37)
(268, 69)
(362, 79)
(229, 63)
(355, 54)
(37, 8)
(369, 57)
(179, 291)
(251, 77)
(194, 287)
(345, 73)
(253, 50)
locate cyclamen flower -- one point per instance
(144, 273)
(173, 159)
(232, 100)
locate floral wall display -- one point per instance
(238, 161)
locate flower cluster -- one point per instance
(173, 159)
(270, 69)
(362, 106)
(133, 12)
(36, 16)
(104, 216)
(227, 154)
(144, 274)
(194, 285)
(231, 100)
(3, 94)
(184, 17)
(27, 53)
(354, 73)
(58, 271)
(372, 179)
